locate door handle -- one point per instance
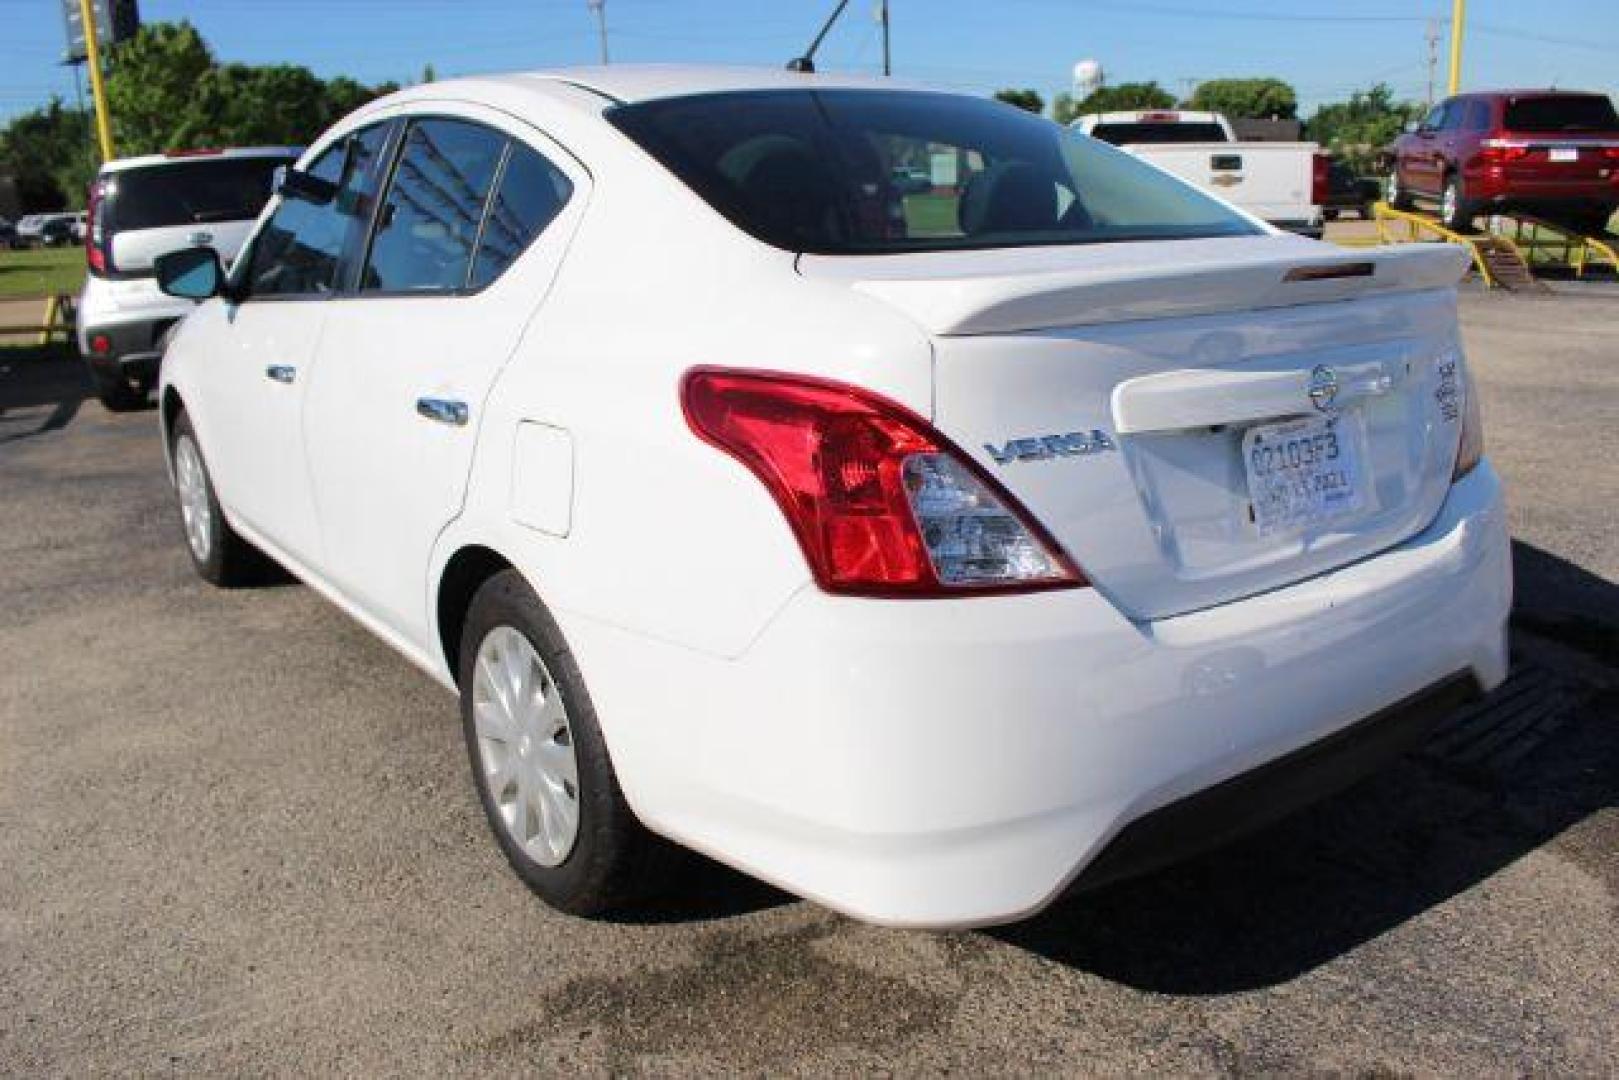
(281, 373)
(443, 410)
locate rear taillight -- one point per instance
(97, 244)
(1502, 155)
(1318, 179)
(881, 504)
(1611, 153)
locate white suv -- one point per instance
(923, 553)
(140, 208)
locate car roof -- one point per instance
(1532, 91)
(181, 157)
(634, 83)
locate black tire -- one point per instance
(614, 861)
(1454, 212)
(229, 561)
(1330, 213)
(1364, 211)
(120, 395)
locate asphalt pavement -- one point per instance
(237, 835)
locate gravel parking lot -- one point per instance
(238, 836)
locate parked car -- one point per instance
(8, 233)
(57, 231)
(140, 208)
(1284, 183)
(926, 569)
(1347, 192)
(79, 227)
(1551, 153)
(30, 229)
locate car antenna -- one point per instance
(806, 63)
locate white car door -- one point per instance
(253, 389)
(467, 239)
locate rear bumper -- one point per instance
(133, 344)
(958, 763)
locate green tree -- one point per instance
(1256, 99)
(152, 84)
(48, 153)
(1125, 97)
(1023, 99)
(1360, 130)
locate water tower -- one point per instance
(1088, 78)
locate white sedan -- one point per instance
(928, 553)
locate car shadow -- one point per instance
(41, 390)
(1293, 897)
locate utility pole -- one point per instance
(600, 8)
(1458, 19)
(882, 17)
(1432, 38)
(98, 91)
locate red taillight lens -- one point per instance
(1611, 153)
(881, 504)
(1318, 179)
(97, 245)
(1502, 155)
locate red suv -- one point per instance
(1551, 153)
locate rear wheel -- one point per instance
(221, 556)
(1453, 210)
(539, 761)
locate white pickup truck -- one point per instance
(1284, 183)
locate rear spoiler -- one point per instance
(1105, 284)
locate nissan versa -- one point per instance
(927, 551)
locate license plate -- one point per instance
(1303, 473)
(1564, 154)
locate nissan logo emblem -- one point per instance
(1323, 387)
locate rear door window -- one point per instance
(532, 192)
(299, 252)
(1567, 114)
(188, 192)
(428, 226)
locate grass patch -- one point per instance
(41, 271)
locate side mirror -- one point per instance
(190, 273)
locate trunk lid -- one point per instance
(1120, 391)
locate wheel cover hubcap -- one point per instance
(192, 485)
(525, 746)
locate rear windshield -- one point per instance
(1158, 132)
(1567, 114)
(189, 192)
(814, 171)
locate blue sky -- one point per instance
(1326, 48)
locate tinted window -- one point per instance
(1121, 134)
(300, 248)
(532, 192)
(428, 227)
(187, 192)
(813, 171)
(1478, 116)
(1435, 118)
(1568, 113)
